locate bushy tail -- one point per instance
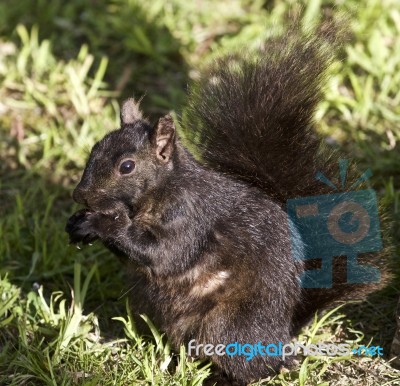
(251, 115)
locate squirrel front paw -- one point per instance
(80, 227)
(86, 226)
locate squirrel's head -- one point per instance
(128, 163)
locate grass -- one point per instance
(63, 68)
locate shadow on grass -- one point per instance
(375, 318)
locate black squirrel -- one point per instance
(207, 241)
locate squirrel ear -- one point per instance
(163, 138)
(130, 112)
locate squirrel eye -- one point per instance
(127, 167)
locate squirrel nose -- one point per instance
(79, 195)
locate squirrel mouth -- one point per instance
(129, 209)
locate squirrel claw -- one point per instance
(80, 229)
